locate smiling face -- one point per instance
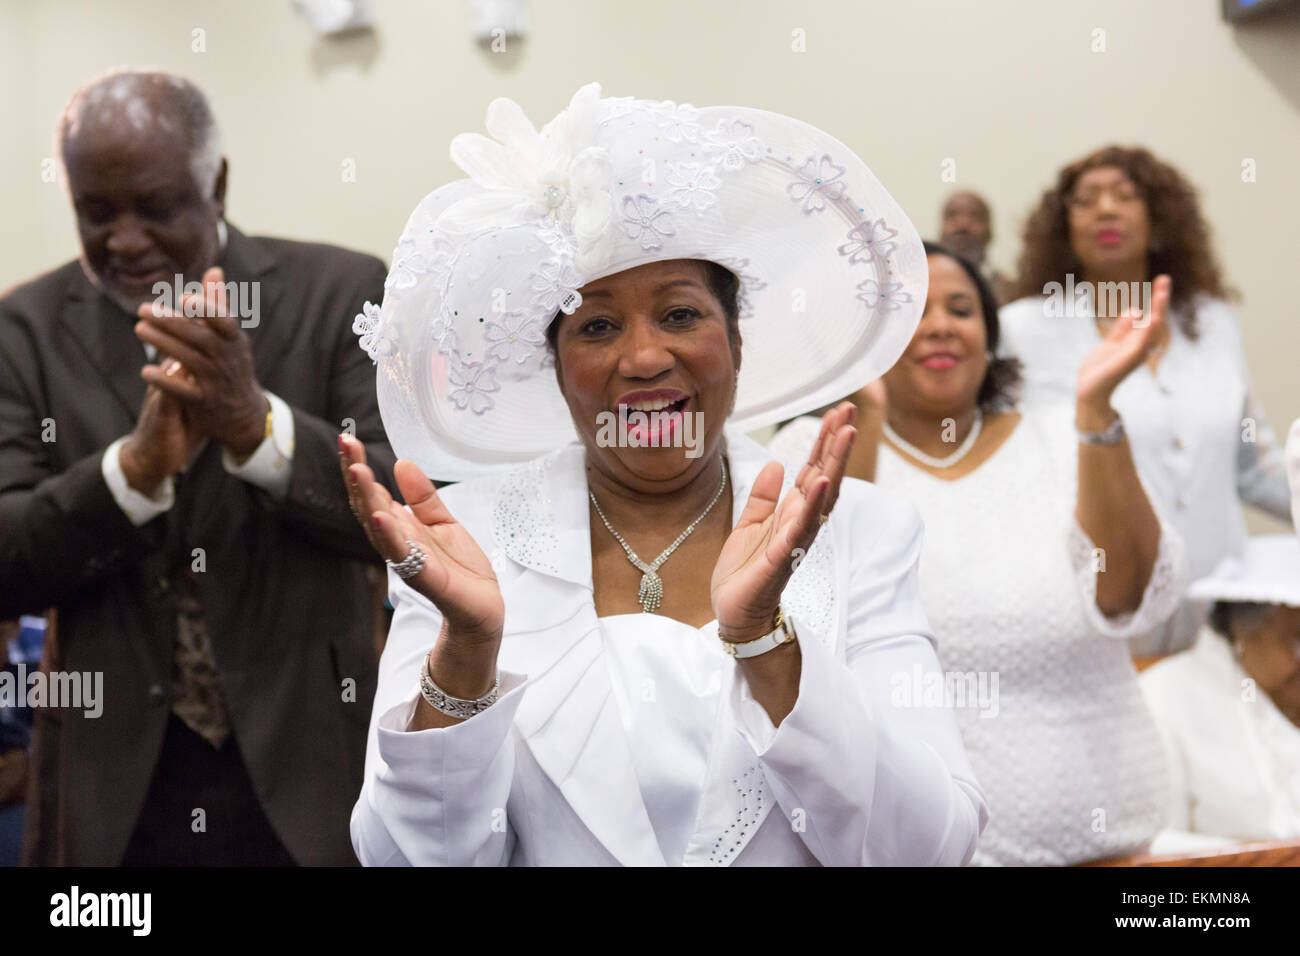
(1110, 227)
(650, 339)
(141, 216)
(940, 373)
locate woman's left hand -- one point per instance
(759, 556)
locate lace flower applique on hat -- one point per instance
(680, 121)
(818, 182)
(410, 262)
(473, 380)
(555, 287)
(515, 338)
(377, 336)
(891, 294)
(732, 144)
(693, 184)
(645, 222)
(868, 240)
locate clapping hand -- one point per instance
(457, 576)
(758, 557)
(1125, 346)
(220, 391)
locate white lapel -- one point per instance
(569, 716)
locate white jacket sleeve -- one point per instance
(433, 797)
(866, 775)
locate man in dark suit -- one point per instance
(170, 483)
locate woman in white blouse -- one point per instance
(548, 693)
(1042, 550)
(1228, 710)
(1112, 222)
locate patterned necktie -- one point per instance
(196, 687)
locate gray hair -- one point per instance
(126, 94)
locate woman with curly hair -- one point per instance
(1112, 223)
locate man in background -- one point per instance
(967, 229)
(170, 484)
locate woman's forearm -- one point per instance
(773, 679)
(461, 668)
(1114, 512)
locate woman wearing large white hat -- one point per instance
(627, 639)
(1228, 710)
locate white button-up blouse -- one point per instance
(1200, 440)
(569, 767)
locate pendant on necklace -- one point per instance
(651, 593)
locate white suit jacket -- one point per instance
(544, 776)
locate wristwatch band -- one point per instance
(782, 634)
(1113, 434)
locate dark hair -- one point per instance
(1247, 614)
(722, 282)
(1002, 379)
(1180, 239)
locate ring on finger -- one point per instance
(410, 565)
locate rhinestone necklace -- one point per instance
(651, 593)
(930, 460)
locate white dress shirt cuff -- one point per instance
(271, 465)
(140, 509)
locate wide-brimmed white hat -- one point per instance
(832, 274)
(1266, 572)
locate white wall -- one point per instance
(1009, 89)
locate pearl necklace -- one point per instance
(651, 593)
(930, 460)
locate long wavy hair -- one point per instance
(1180, 238)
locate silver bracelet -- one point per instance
(1112, 434)
(458, 707)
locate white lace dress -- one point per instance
(1047, 697)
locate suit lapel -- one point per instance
(248, 261)
(106, 334)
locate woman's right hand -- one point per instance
(457, 576)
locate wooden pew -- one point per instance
(1278, 853)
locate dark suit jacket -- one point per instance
(284, 592)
